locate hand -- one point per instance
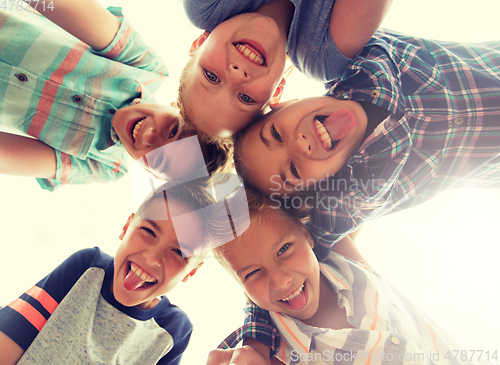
(241, 356)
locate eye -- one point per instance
(283, 249)
(179, 252)
(251, 273)
(149, 231)
(211, 77)
(174, 131)
(158, 161)
(275, 134)
(246, 99)
(293, 170)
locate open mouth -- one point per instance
(334, 127)
(251, 53)
(326, 139)
(137, 278)
(297, 300)
(136, 127)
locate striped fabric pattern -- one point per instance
(58, 90)
(445, 102)
(388, 328)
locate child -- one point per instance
(88, 105)
(335, 311)
(235, 70)
(95, 308)
(387, 137)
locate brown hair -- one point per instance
(218, 152)
(260, 207)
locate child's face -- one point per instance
(235, 73)
(277, 268)
(149, 262)
(298, 145)
(144, 127)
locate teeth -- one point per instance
(326, 140)
(294, 294)
(137, 127)
(250, 54)
(142, 274)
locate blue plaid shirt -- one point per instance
(443, 131)
(61, 92)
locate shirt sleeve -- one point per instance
(129, 48)
(257, 325)
(24, 318)
(209, 14)
(180, 328)
(72, 170)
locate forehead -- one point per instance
(261, 163)
(188, 224)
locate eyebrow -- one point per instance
(263, 139)
(155, 226)
(277, 243)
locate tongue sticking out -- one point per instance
(132, 281)
(338, 124)
(298, 302)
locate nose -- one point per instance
(280, 279)
(237, 72)
(302, 145)
(153, 256)
(150, 135)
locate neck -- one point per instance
(282, 13)
(329, 314)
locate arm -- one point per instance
(11, 351)
(347, 247)
(26, 156)
(87, 20)
(354, 22)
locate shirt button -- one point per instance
(395, 340)
(112, 111)
(341, 94)
(77, 98)
(375, 94)
(458, 120)
(22, 77)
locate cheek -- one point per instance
(258, 293)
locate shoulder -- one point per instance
(208, 14)
(173, 319)
(63, 277)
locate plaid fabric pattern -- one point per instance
(61, 92)
(445, 131)
(257, 325)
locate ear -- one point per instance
(125, 227)
(306, 233)
(198, 42)
(275, 99)
(192, 272)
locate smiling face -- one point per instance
(276, 266)
(149, 261)
(144, 127)
(235, 73)
(302, 143)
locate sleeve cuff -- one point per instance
(121, 39)
(52, 184)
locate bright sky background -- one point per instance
(443, 254)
